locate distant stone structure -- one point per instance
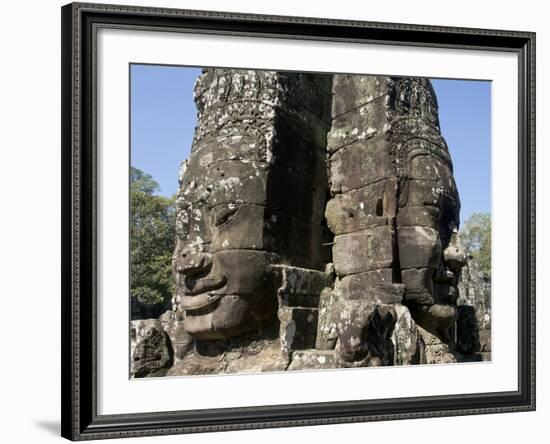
(317, 227)
(473, 334)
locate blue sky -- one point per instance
(163, 118)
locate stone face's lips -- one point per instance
(200, 301)
(204, 285)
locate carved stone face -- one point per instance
(232, 228)
(430, 252)
(221, 269)
(248, 200)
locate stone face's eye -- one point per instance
(224, 214)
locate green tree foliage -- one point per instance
(152, 238)
(476, 239)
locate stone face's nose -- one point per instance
(454, 254)
(190, 261)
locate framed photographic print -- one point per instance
(277, 221)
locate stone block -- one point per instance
(301, 281)
(353, 324)
(419, 247)
(368, 121)
(180, 340)
(366, 207)
(327, 326)
(363, 286)
(298, 327)
(149, 348)
(313, 360)
(421, 216)
(408, 346)
(364, 250)
(359, 164)
(350, 91)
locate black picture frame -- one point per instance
(79, 390)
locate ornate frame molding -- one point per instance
(80, 420)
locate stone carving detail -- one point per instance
(150, 349)
(437, 351)
(317, 227)
(394, 202)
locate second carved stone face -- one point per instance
(430, 253)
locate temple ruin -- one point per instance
(317, 227)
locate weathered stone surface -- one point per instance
(365, 250)
(244, 354)
(298, 312)
(418, 281)
(419, 247)
(379, 336)
(431, 195)
(369, 286)
(394, 171)
(359, 164)
(255, 230)
(277, 234)
(181, 341)
(368, 121)
(353, 91)
(364, 208)
(436, 351)
(427, 216)
(228, 181)
(365, 334)
(436, 318)
(304, 91)
(313, 360)
(485, 342)
(233, 232)
(298, 327)
(475, 294)
(150, 349)
(228, 292)
(297, 281)
(250, 271)
(467, 330)
(327, 324)
(235, 182)
(424, 167)
(406, 339)
(353, 330)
